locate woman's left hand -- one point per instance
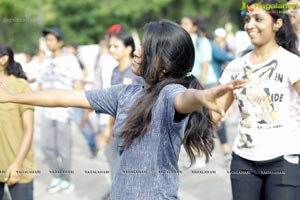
(210, 96)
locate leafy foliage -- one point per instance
(86, 21)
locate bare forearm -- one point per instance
(217, 99)
(53, 98)
(225, 103)
(188, 101)
(25, 146)
(27, 118)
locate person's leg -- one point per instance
(1, 190)
(245, 183)
(64, 148)
(49, 148)
(113, 156)
(223, 138)
(48, 144)
(87, 131)
(90, 137)
(226, 149)
(21, 191)
(283, 182)
(113, 159)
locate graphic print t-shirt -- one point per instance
(268, 127)
(59, 73)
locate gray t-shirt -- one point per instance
(149, 167)
(125, 77)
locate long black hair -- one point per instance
(13, 67)
(167, 57)
(285, 36)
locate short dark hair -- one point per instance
(55, 31)
(127, 40)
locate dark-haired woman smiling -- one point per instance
(267, 147)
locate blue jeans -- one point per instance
(221, 131)
(87, 131)
(19, 191)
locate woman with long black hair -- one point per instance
(17, 164)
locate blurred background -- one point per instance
(87, 21)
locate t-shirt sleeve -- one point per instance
(168, 96)
(105, 100)
(25, 89)
(294, 72)
(232, 71)
(40, 76)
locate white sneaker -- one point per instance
(54, 185)
(66, 187)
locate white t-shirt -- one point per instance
(106, 65)
(268, 127)
(59, 73)
(32, 70)
(296, 103)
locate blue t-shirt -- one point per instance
(149, 167)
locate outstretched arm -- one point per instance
(217, 99)
(12, 175)
(49, 98)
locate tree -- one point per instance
(86, 21)
(20, 24)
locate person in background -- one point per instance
(202, 68)
(105, 64)
(60, 71)
(294, 14)
(32, 68)
(220, 39)
(86, 128)
(17, 162)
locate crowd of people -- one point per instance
(170, 91)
